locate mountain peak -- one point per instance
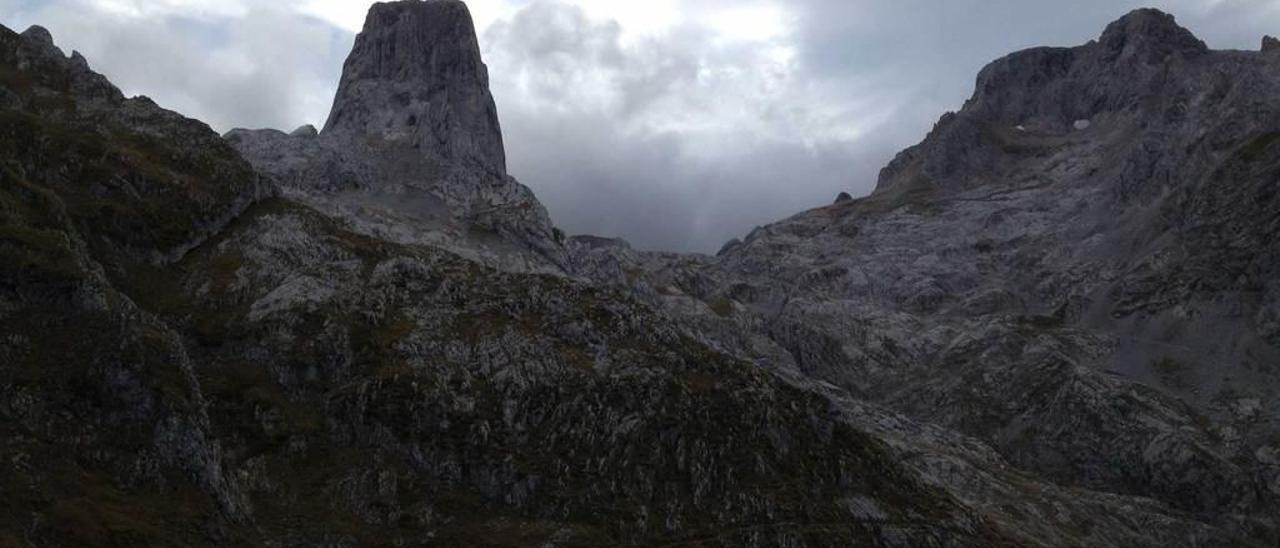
(1060, 91)
(38, 34)
(415, 78)
(1151, 34)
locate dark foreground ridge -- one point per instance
(371, 335)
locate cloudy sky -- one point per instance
(676, 124)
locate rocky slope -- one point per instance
(412, 150)
(372, 335)
(1079, 268)
(105, 429)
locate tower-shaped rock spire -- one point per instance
(415, 78)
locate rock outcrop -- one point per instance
(1270, 43)
(305, 131)
(1047, 91)
(415, 76)
(1003, 346)
(1096, 301)
(286, 380)
(412, 150)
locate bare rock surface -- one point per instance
(1033, 334)
(1095, 300)
(412, 149)
(415, 76)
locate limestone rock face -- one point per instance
(1046, 91)
(1149, 35)
(415, 76)
(290, 377)
(39, 36)
(1270, 43)
(412, 150)
(307, 130)
(347, 340)
(1096, 301)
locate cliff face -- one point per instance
(1079, 267)
(273, 377)
(412, 150)
(371, 335)
(415, 76)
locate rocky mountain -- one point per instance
(1053, 324)
(415, 75)
(412, 151)
(1078, 268)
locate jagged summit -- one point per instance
(413, 144)
(415, 77)
(1149, 33)
(1092, 235)
(1064, 85)
(1057, 92)
(38, 34)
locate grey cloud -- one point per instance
(556, 49)
(603, 168)
(267, 69)
(597, 179)
(909, 61)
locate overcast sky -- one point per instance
(676, 124)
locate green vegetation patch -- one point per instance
(722, 306)
(1255, 149)
(1171, 372)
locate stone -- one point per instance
(729, 246)
(1150, 35)
(1082, 125)
(307, 131)
(843, 197)
(596, 242)
(38, 35)
(79, 61)
(1270, 43)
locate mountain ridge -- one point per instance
(362, 342)
(1044, 228)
